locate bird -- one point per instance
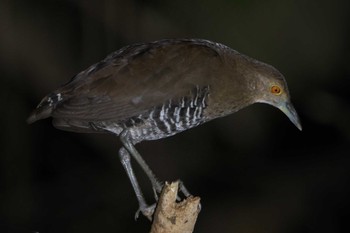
(153, 90)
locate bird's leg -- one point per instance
(157, 185)
(143, 207)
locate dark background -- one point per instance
(254, 171)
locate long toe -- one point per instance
(147, 211)
(157, 189)
(183, 189)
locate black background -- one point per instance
(254, 171)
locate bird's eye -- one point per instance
(276, 90)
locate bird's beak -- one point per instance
(288, 109)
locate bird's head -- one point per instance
(272, 89)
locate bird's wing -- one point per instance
(135, 79)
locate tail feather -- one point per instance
(45, 108)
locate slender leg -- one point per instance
(157, 185)
(143, 207)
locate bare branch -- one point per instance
(173, 217)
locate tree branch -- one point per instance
(173, 217)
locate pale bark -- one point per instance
(172, 216)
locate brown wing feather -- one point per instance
(135, 79)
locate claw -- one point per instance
(183, 189)
(157, 189)
(137, 214)
(147, 211)
(155, 193)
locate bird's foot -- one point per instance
(146, 211)
(158, 187)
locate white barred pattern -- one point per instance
(170, 118)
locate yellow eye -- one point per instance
(276, 90)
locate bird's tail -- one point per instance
(45, 108)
